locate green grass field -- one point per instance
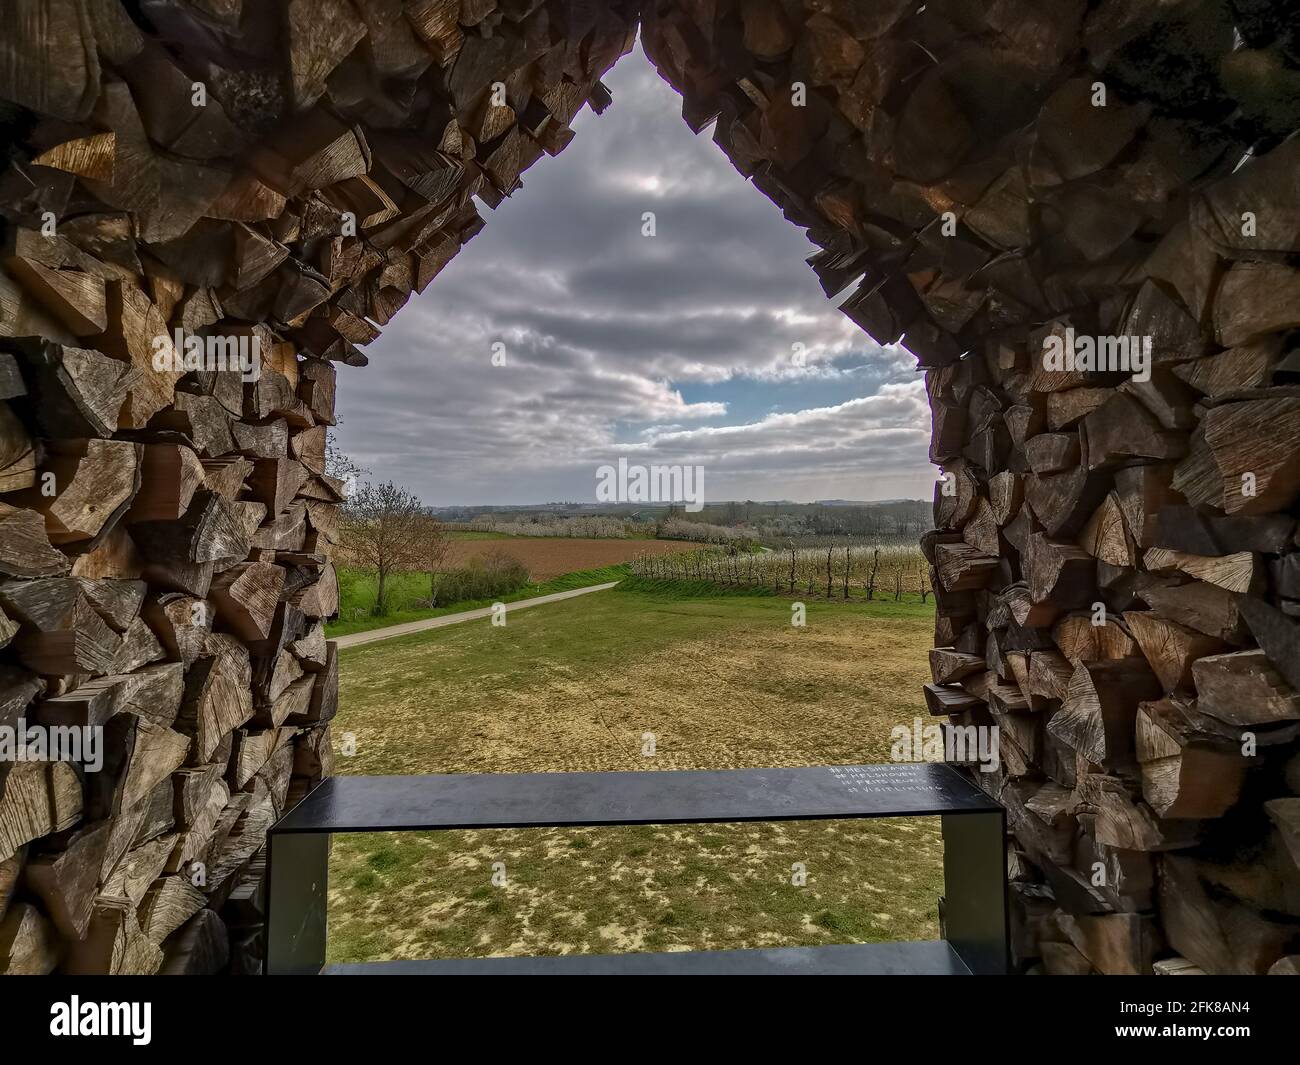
(720, 681)
(357, 590)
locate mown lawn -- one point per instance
(720, 682)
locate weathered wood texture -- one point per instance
(989, 183)
(272, 180)
(1116, 565)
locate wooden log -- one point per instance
(211, 531)
(320, 599)
(1216, 934)
(75, 298)
(1185, 774)
(1063, 502)
(1059, 572)
(1239, 572)
(1255, 299)
(1278, 636)
(943, 700)
(1247, 366)
(25, 549)
(138, 869)
(1081, 641)
(134, 324)
(1049, 674)
(139, 754)
(1242, 688)
(324, 693)
(39, 799)
(1066, 409)
(153, 693)
(118, 602)
(65, 633)
(1120, 821)
(955, 495)
(1052, 452)
(1105, 535)
(29, 944)
(169, 903)
(1098, 715)
(82, 390)
(1121, 429)
(92, 482)
(948, 665)
(114, 944)
(1141, 491)
(1254, 451)
(66, 881)
(1120, 944)
(201, 947)
(170, 474)
(246, 596)
(217, 700)
(962, 568)
(1170, 648)
(17, 456)
(1199, 605)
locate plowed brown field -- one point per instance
(552, 556)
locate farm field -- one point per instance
(555, 565)
(547, 557)
(720, 681)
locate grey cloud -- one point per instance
(604, 327)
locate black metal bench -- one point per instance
(974, 828)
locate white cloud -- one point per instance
(606, 332)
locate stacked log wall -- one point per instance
(277, 175)
(1115, 557)
(1115, 553)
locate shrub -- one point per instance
(486, 576)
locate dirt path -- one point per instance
(465, 615)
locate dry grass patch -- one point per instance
(721, 683)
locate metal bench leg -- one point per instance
(297, 870)
(975, 890)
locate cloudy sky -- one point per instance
(673, 348)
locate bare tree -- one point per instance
(434, 547)
(384, 526)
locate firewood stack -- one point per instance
(1115, 560)
(1115, 554)
(284, 173)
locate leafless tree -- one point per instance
(384, 529)
(434, 547)
(871, 580)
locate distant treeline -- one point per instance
(898, 521)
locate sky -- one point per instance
(709, 343)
